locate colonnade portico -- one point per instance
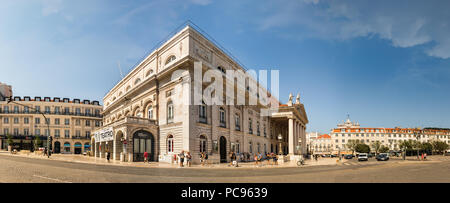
(295, 116)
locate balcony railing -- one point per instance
(139, 121)
(52, 113)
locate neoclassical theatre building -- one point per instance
(70, 123)
(152, 110)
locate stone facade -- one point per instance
(159, 96)
(71, 122)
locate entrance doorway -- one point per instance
(57, 147)
(77, 149)
(143, 141)
(223, 149)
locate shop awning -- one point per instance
(66, 145)
(78, 145)
(86, 145)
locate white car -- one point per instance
(363, 157)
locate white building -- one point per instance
(389, 137)
(155, 109)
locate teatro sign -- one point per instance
(104, 135)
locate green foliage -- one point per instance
(407, 144)
(384, 149)
(426, 146)
(10, 141)
(439, 146)
(362, 148)
(376, 145)
(351, 144)
(37, 142)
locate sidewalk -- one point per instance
(102, 161)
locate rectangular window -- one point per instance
(88, 123)
(37, 120)
(66, 121)
(56, 121)
(16, 120)
(66, 133)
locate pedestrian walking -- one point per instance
(188, 159)
(181, 155)
(108, 155)
(174, 158)
(202, 158)
(145, 157)
(206, 158)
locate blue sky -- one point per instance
(386, 63)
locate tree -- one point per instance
(384, 149)
(376, 145)
(406, 145)
(362, 148)
(439, 146)
(10, 141)
(37, 142)
(426, 147)
(351, 144)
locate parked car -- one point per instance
(363, 157)
(382, 157)
(333, 155)
(348, 156)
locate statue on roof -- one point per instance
(297, 100)
(290, 100)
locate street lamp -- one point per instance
(10, 100)
(417, 135)
(339, 153)
(280, 137)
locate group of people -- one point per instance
(268, 157)
(180, 158)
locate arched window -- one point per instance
(150, 112)
(170, 146)
(203, 146)
(128, 88)
(202, 112)
(137, 81)
(258, 147)
(223, 123)
(170, 112)
(250, 147)
(170, 59)
(238, 147)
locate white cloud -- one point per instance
(50, 7)
(404, 23)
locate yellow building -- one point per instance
(70, 123)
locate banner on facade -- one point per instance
(104, 135)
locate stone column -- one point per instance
(291, 145)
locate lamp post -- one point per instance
(339, 153)
(280, 137)
(417, 136)
(10, 100)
